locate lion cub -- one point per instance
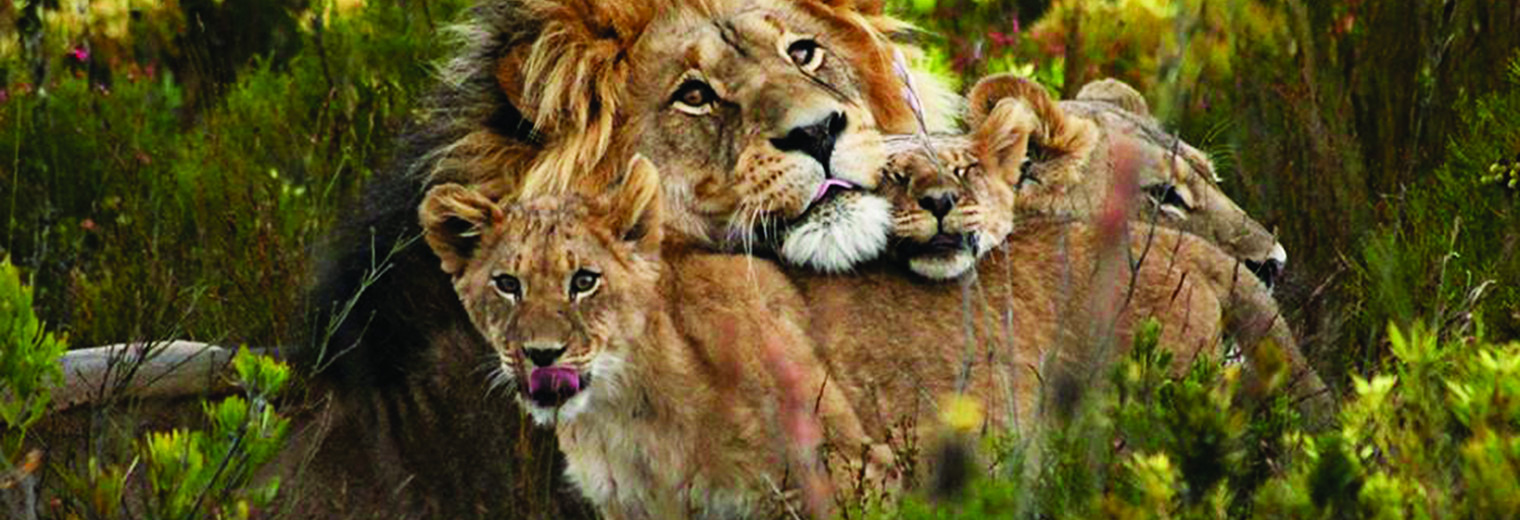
(659, 414)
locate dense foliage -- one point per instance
(163, 178)
(146, 214)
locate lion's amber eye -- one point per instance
(805, 53)
(694, 95)
(507, 285)
(1166, 194)
(583, 282)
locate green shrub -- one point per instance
(29, 366)
(206, 473)
(1434, 434)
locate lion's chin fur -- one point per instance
(943, 267)
(839, 234)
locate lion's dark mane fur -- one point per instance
(412, 430)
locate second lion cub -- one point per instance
(678, 382)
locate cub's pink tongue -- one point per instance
(823, 189)
(553, 381)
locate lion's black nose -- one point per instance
(938, 205)
(543, 355)
(815, 139)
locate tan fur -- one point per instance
(1078, 149)
(694, 360)
(1116, 92)
(1047, 283)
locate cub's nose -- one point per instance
(543, 354)
(938, 205)
(815, 139)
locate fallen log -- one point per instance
(161, 369)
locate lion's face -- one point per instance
(943, 221)
(1178, 184)
(559, 286)
(760, 126)
(949, 212)
(1078, 149)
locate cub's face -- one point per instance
(559, 286)
(948, 213)
(760, 122)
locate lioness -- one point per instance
(1072, 165)
(658, 416)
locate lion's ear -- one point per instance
(991, 90)
(454, 220)
(634, 205)
(1118, 93)
(1002, 139)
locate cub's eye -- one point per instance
(1166, 195)
(806, 54)
(507, 285)
(583, 282)
(694, 96)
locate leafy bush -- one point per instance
(1435, 434)
(197, 473)
(28, 371)
(1448, 262)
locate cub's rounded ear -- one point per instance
(1002, 140)
(988, 92)
(634, 204)
(454, 220)
(1118, 93)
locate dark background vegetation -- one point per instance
(168, 169)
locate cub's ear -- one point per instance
(1118, 93)
(1002, 140)
(634, 205)
(991, 90)
(454, 220)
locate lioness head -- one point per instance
(1072, 166)
(559, 286)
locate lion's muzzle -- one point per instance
(552, 386)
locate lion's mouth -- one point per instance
(829, 188)
(552, 386)
(941, 244)
(827, 191)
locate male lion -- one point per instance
(779, 101)
(1072, 165)
(657, 415)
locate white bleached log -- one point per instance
(163, 369)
